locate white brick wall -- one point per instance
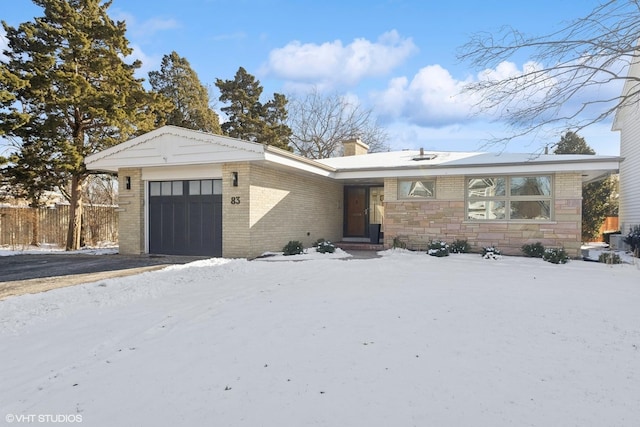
(280, 206)
(131, 212)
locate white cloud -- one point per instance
(431, 98)
(149, 63)
(332, 64)
(146, 29)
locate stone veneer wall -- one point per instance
(418, 222)
(131, 229)
(276, 207)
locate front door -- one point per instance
(355, 212)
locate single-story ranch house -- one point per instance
(193, 193)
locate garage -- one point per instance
(185, 217)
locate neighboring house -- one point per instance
(188, 192)
(627, 122)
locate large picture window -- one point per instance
(510, 198)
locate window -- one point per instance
(205, 187)
(416, 189)
(509, 198)
(165, 188)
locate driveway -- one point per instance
(34, 273)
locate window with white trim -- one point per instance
(510, 198)
(416, 189)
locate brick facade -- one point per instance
(281, 197)
(272, 206)
(277, 206)
(418, 222)
(131, 229)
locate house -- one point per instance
(627, 122)
(189, 192)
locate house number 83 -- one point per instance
(235, 200)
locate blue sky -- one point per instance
(397, 57)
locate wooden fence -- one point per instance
(99, 224)
(609, 225)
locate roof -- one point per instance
(175, 146)
(172, 145)
(413, 163)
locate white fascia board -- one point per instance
(299, 163)
(110, 164)
(533, 168)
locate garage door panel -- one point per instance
(185, 224)
(178, 225)
(155, 225)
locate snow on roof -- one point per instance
(408, 163)
(409, 159)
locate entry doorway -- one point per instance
(363, 206)
(356, 218)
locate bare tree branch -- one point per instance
(575, 76)
(320, 123)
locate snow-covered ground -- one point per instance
(402, 340)
(105, 249)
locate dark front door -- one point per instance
(185, 218)
(355, 212)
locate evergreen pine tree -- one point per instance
(596, 196)
(79, 94)
(248, 118)
(178, 82)
(572, 143)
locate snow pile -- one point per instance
(406, 339)
(309, 253)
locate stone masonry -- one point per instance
(418, 222)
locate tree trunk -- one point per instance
(35, 227)
(75, 214)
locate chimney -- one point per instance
(354, 147)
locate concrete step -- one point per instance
(359, 246)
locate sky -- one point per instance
(406, 339)
(395, 57)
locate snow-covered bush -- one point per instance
(609, 258)
(633, 239)
(491, 252)
(438, 248)
(460, 246)
(325, 247)
(294, 247)
(555, 255)
(398, 243)
(534, 250)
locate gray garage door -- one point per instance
(185, 217)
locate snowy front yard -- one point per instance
(403, 340)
